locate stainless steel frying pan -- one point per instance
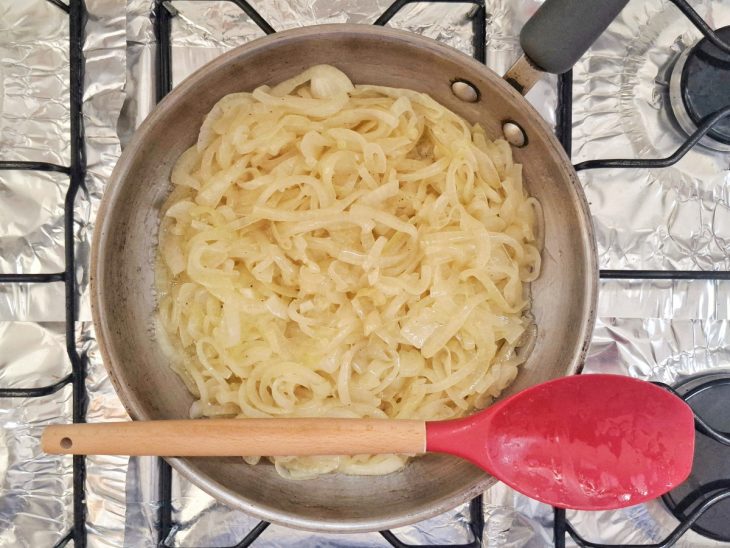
(564, 296)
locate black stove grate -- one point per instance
(708, 483)
(162, 15)
(76, 171)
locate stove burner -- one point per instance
(700, 86)
(709, 396)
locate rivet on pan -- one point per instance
(514, 134)
(466, 91)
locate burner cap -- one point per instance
(709, 396)
(700, 82)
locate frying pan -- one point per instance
(125, 246)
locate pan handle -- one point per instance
(557, 35)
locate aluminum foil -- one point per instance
(34, 126)
(673, 218)
(660, 330)
(36, 495)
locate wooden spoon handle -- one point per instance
(238, 437)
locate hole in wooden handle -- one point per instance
(66, 443)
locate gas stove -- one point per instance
(645, 115)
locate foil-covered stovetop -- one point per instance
(676, 218)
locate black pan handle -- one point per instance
(561, 31)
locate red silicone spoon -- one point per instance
(590, 442)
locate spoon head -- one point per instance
(589, 442)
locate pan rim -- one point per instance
(116, 373)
